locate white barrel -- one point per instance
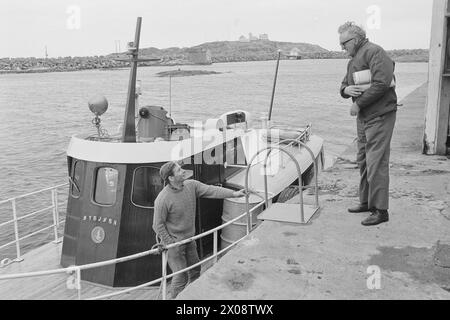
(232, 208)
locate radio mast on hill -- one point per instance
(117, 43)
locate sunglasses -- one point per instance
(345, 42)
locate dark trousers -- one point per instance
(374, 146)
(180, 258)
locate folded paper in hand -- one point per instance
(364, 79)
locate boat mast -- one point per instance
(129, 131)
(274, 86)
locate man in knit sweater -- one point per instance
(174, 219)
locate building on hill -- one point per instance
(243, 39)
(294, 54)
(199, 56)
(251, 37)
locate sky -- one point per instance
(98, 27)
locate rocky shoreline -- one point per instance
(205, 54)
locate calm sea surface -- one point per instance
(40, 112)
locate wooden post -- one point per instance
(438, 101)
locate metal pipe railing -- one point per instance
(299, 172)
(55, 215)
(34, 192)
(212, 257)
(77, 269)
(34, 213)
(16, 231)
(29, 235)
(16, 218)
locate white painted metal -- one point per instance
(284, 215)
(16, 231)
(17, 218)
(164, 275)
(288, 212)
(111, 152)
(437, 108)
(215, 246)
(78, 279)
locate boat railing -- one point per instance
(75, 271)
(300, 139)
(56, 221)
(268, 151)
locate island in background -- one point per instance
(204, 54)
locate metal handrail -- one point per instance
(34, 213)
(212, 257)
(299, 172)
(126, 258)
(77, 269)
(33, 193)
(16, 219)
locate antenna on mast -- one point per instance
(129, 127)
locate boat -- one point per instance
(108, 249)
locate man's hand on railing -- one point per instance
(160, 247)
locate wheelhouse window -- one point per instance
(147, 184)
(234, 155)
(75, 179)
(106, 186)
(234, 152)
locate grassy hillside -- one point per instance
(227, 51)
(230, 51)
(224, 51)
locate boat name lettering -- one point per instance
(100, 219)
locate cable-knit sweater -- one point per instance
(174, 215)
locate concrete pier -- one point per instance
(335, 257)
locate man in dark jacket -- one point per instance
(370, 82)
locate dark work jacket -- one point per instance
(380, 98)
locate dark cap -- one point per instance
(167, 170)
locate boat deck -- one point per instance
(56, 286)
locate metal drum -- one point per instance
(233, 208)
